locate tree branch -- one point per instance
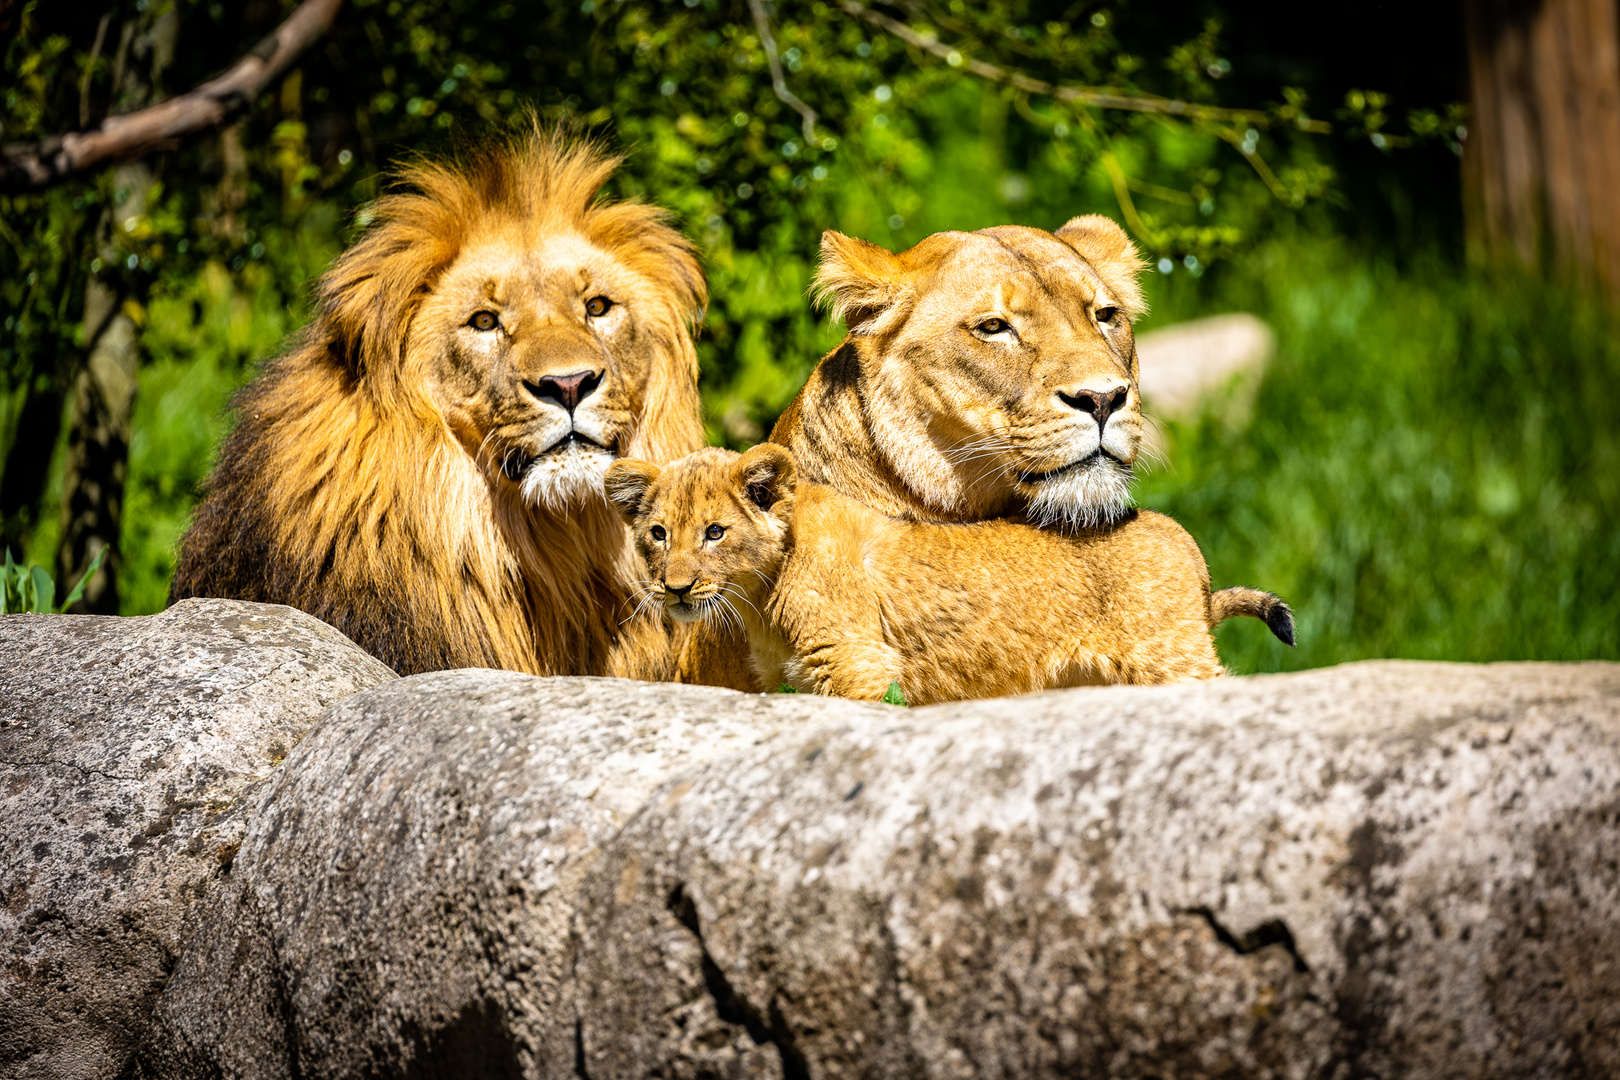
(1089, 96)
(779, 84)
(47, 161)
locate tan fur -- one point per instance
(834, 597)
(401, 473)
(920, 413)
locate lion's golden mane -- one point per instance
(351, 490)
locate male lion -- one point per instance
(423, 470)
(835, 597)
(985, 374)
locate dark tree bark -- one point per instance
(1542, 161)
(101, 422)
(105, 383)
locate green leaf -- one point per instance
(894, 695)
(78, 590)
(786, 689)
(44, 589)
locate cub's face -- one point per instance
(538, 348)
(1001, 366)
(711, 527)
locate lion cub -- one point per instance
(838, 598)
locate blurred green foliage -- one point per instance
(30, 589)
(1422, 474)
(1430, 468)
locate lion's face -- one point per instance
(1000, 366)
(711, 527)
(538, 347)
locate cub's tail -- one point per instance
(1264, 606)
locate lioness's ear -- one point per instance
(626, 483)
(857, 281)
(766, 473)
(1104, 245)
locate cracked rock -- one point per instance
(1382, 869)
(128, 749)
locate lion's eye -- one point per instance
(1106, 314)
(597, 306)
(658, 533)
(993, 326)
(715, 532)
(484, 320)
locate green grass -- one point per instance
(1431, 470)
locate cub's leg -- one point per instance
(860, 669)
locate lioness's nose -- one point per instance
(680, 591)
(566, 390)
(1099, 403)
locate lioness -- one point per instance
(985, 374)
(835, 597)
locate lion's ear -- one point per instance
(626, 483)
(858, 282)
(1103, 244)
(766, 474)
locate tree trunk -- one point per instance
(1542, 160)
(98, 439)
(27, 464)
(104, 387)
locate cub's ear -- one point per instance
(1103, 244)
(626, 483)
(858, 282)
(766, 474)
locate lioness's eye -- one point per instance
(484, 320)
(597, 306)
(1106, 314)
(658, 533)
(993, 326)
(715, 532)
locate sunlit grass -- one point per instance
(1432, 467)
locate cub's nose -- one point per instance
(1099, 403)
(566, 390)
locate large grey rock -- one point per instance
(401, 904)
(127, 747)
(1376, 870)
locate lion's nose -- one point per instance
(680, 591)
(566, 390)
(1099, 403)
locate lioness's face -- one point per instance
(1003, 368)
(538, 346)
(710, 527)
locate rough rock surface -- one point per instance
(126, 749)
(1375, 870)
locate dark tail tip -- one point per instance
(1280, 617)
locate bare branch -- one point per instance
(33, 165)
(807, 115)
(1089, 96)
(90, 69)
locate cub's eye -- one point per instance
(1106, 314)
(658, 533)
(597, 306)
(993, 326)
(484, 320)
(715, 532)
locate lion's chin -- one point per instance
(1090, 494)
(685, 612)
(566, 478)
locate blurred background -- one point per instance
(1418, 206)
